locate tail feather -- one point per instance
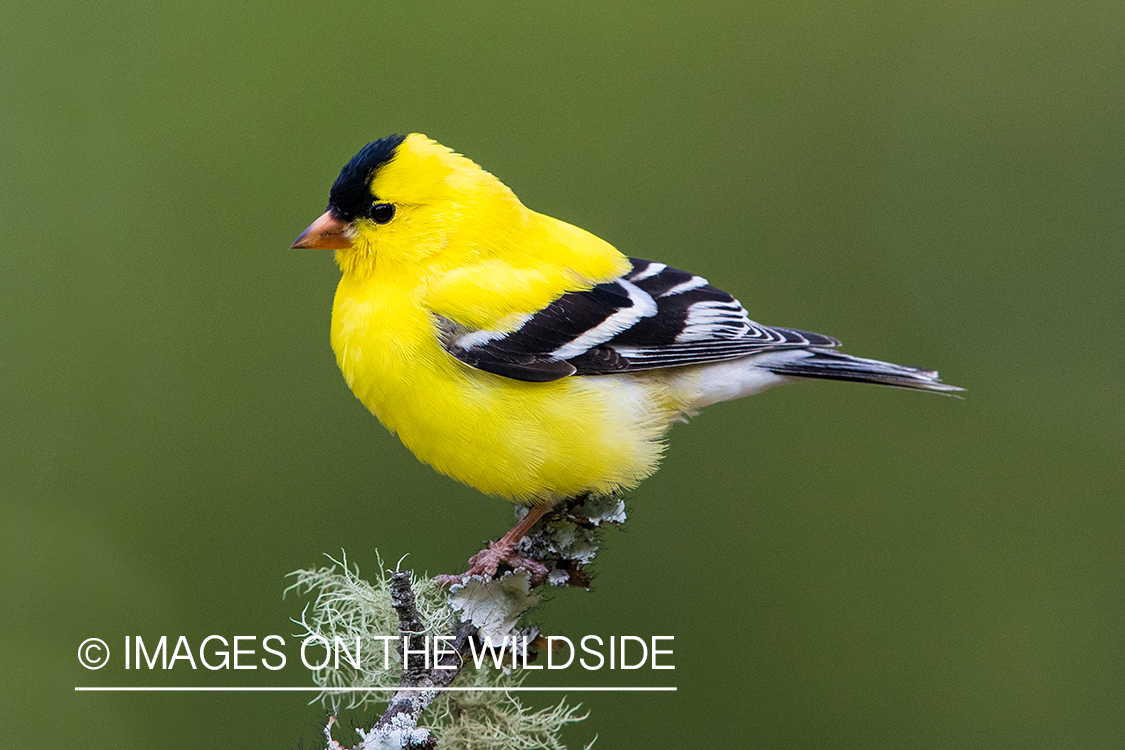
(832, 365)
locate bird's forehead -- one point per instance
(351, 194)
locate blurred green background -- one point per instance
(841, 566)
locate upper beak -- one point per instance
(326, 233)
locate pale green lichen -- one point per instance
(571, 534)
(494, 606)
(350, 607)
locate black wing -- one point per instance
(652, 317)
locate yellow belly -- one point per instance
(522, 441)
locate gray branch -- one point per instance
(398, 727)
(565, 541)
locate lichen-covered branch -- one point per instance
(347, 606)
(398, 723)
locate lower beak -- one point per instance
(326, 233)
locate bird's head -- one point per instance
(402, 201)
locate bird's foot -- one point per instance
(503, 552)
(487, 562)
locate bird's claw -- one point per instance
(488, 561)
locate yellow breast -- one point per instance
(522, 441)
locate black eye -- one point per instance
(381, 213)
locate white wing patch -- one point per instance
(651, 270)
(694, 282)
(715, 319)
(644, 306)
(478, 338)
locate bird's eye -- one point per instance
(381, 213)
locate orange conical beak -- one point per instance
(326, 233)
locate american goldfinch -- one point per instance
(522, 355)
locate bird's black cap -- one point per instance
(351, 196)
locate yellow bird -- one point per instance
(522, 355)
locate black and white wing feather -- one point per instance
(652, 317)
(655, 317)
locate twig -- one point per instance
(398, 726)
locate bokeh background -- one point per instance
(841, 566)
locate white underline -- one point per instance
(266, 689)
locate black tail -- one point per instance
(832, 365)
